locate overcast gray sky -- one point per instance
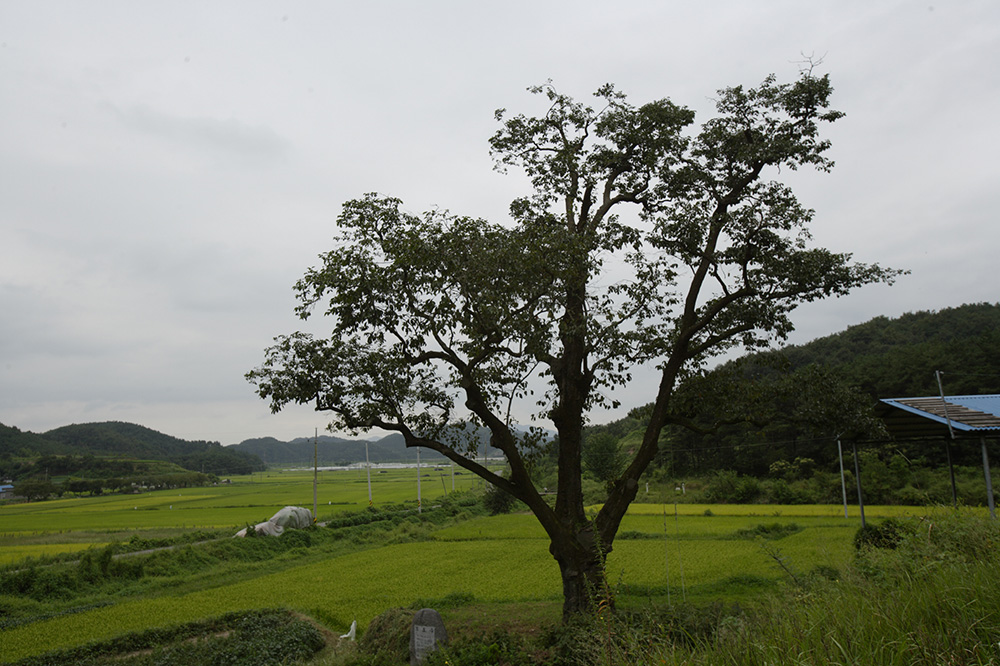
(169, 169)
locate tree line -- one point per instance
(34, 488)
(795, 402)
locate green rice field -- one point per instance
(664, 552)
(67, 525)
(13, 552)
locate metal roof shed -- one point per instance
(965, 415)
(948, 418)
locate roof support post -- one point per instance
(989, 480)
(947, 444)
(857, 477)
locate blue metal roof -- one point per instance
(966, 413)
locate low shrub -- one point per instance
(728, 487)
(497, 501)
(296, 539)
(40, 583)
(636, 535)
(780, 491)
(886, 534)
(771, 531)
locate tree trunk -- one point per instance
(581, 566)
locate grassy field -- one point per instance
(690, 552)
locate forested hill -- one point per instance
(127, 440)
(891, 358)
(784, 416)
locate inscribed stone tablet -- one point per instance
(425, 634)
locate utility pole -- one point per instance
(315, 469)
(368, 466)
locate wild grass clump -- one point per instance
(489, 649)
(386, 641)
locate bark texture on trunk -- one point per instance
(581, 566)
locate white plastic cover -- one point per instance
(291, 517)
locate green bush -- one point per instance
(886, 534)
(932, 599)
(780, 491)
(728, 487)
(576, 643)
(40, 583)
(498, 501)
(638, 636)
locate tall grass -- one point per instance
(934, 599)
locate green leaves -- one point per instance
(421, 307)
(593, 158)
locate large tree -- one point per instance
(442, 321)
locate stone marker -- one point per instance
(425, 634)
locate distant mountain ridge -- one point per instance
(116, 439)
(127, 440)
(336, 451)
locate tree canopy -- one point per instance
(643, 241)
